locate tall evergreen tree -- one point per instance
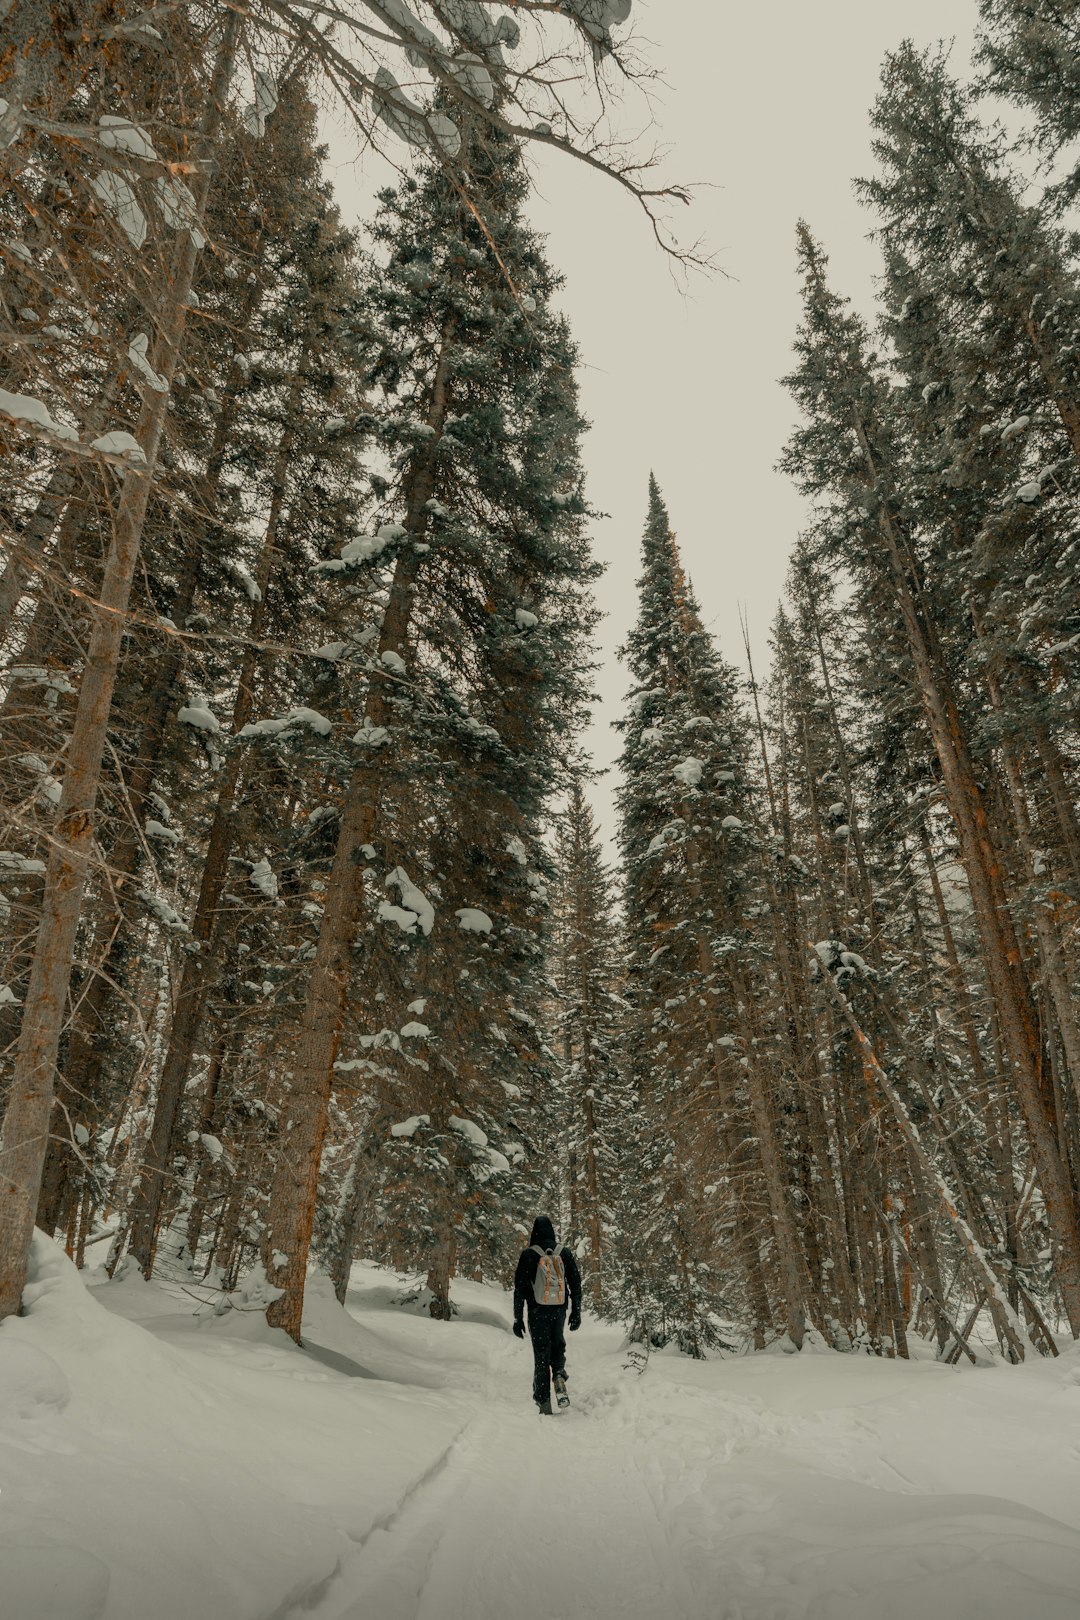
(475, 680)
(692, 892)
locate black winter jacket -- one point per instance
(543, 1233)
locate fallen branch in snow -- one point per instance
(221, 1302)
(953, 1355)
(102, 1237)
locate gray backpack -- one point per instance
(549, 1287)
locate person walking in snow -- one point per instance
(545, 1276)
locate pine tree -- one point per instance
(292, 454)
(986, 344)
(218, 437)
(475, 683)
(994, 265)
(693, 888)
(817, 891)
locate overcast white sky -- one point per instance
(766, 104)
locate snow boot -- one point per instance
(560, 1390)
(545, 1409)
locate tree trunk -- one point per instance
(93, 1018)
(797, 1021)
(208, 1121)
(440, 1274)
(1048, 941)
(592, 1185)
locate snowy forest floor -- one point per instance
(157, 1464)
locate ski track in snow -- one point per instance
(638, 1503)
(523, 1516)
(157, 1463)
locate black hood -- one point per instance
(542, 1233)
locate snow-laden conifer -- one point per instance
(470, 692)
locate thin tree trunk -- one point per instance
(802, 1048)
(91, 1020)
(592, 1185)
(946, 1326)
(80, 1086)
(1049, 944)
(348, 1221)
(792, 1269)
(210, 1112)
(31, 542)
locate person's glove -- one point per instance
(519, 1330)
(575, 1321)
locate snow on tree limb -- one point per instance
(543, 101)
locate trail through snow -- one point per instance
(158, 1461)
(745, 1490)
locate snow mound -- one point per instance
(181, 1464)
(266, 100)
(469, 1130)
(123, 136)
(12, 861)
(264, 879)
(409, 1127)
(309, 718)
(118, 196)
(137, 355)
(405, 920)
(408, 119)
(34, 412)
(30, 1379)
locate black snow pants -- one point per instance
(549, 1347)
